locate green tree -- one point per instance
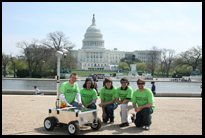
(19, 64)
(5, 61)
(70, 62)
(123, 65)
(141, 67)
(183, 70)
(128, 60)
(191, 57)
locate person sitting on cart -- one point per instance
(69, 91)
(88, 94)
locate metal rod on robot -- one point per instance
(59, 55)
(58, 83)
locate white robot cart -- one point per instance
(72, 117)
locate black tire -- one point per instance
(97, 125)
(49, 123)
(73, 128)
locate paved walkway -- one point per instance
(24, 115)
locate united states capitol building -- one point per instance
(94, 56)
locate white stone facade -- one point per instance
(93, 55)
(147, 56)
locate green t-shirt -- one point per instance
(123, 94)
(143, 98)
(88, 95)
(69, 91)
(107, 94)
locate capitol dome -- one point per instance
(93, 38)
(93, 29)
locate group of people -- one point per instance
(181, 79)
(111, 97)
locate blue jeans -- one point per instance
(109, 110)
(75, 104)
(143, 117)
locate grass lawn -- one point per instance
(86, 73)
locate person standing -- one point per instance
(69, 91)
(123, 96)
(153, 88)
(146, 105)
(88, 94)
(107, 96)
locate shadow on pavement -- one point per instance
(114, 127)
(55, 131)
(105, 128)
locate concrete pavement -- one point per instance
(24, 115)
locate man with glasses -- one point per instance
(146, 105)
(123, 96)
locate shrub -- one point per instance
(22, 73)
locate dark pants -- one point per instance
(143, 117)
(92, 106)
(109, 110)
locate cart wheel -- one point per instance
(73, 128)
(97, 125)
(49, 123)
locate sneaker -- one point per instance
(111, 122)
(133, 117)
(124, 124)
(146, 127)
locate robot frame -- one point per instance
(71, 117)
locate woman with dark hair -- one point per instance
(107, 96)
(88, 94)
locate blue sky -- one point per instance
(127, 26)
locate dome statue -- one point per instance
(93, 38)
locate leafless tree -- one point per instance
(29, 52)
(57, 41)
(154, 57)
(42, 55)
(167, 58)
(35, 55)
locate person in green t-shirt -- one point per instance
(88, 94)
(69, 91)
(123, 97)
(146, 105)
(107, 96)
